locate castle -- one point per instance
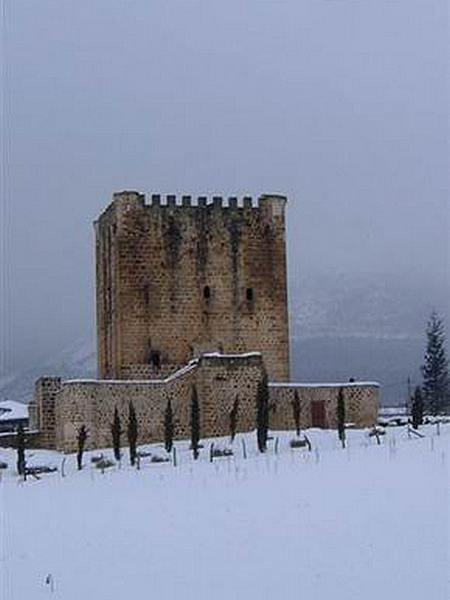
(189, 293)
(176, 281)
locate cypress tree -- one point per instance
(116, 431)
(132, 433)
(435, 368)
(168, 427)
(81, 441)
(195, 423)
(233, 419)
(341, 416)
(417, 408)
(296, 411)
(20, 445)
(262, 414)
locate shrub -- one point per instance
(96, 458)
(159, 459)
(143, 453)
(221, 452)
(38, 469)
(298, 443)
(104, 463)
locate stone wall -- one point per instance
(218, 380)
(92, 403)
(62, 407)
(179, 278)
(361, 403)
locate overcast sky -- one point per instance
(341, 105)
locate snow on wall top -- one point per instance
(191, 365)
(347, 384)
(194, 363)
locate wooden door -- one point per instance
(318, 414)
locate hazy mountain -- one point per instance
(77, 360)
(369, 328)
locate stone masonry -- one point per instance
(219, 380)
(175, 280)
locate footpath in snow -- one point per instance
(367, 522)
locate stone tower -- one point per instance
(175, 280)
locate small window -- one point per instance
(155, 359)
(250, 295)
(206, 292)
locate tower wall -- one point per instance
(178, 278)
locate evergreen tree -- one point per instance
(296, 412)
(262, 414)
(195, 423)
(168, 427)
(233, 419)
(435, 368)
(81, 441)
(116, 431)
(20, 445)
(341, 416)
(132, 432)
(417, 408)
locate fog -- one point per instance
(341, 105)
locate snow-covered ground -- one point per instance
(368, 522)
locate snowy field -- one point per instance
(368, 522)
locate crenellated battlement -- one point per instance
(188, 201)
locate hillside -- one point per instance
(78, 359)
(369, 326)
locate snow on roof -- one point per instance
(12, 410)
(347, 384)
